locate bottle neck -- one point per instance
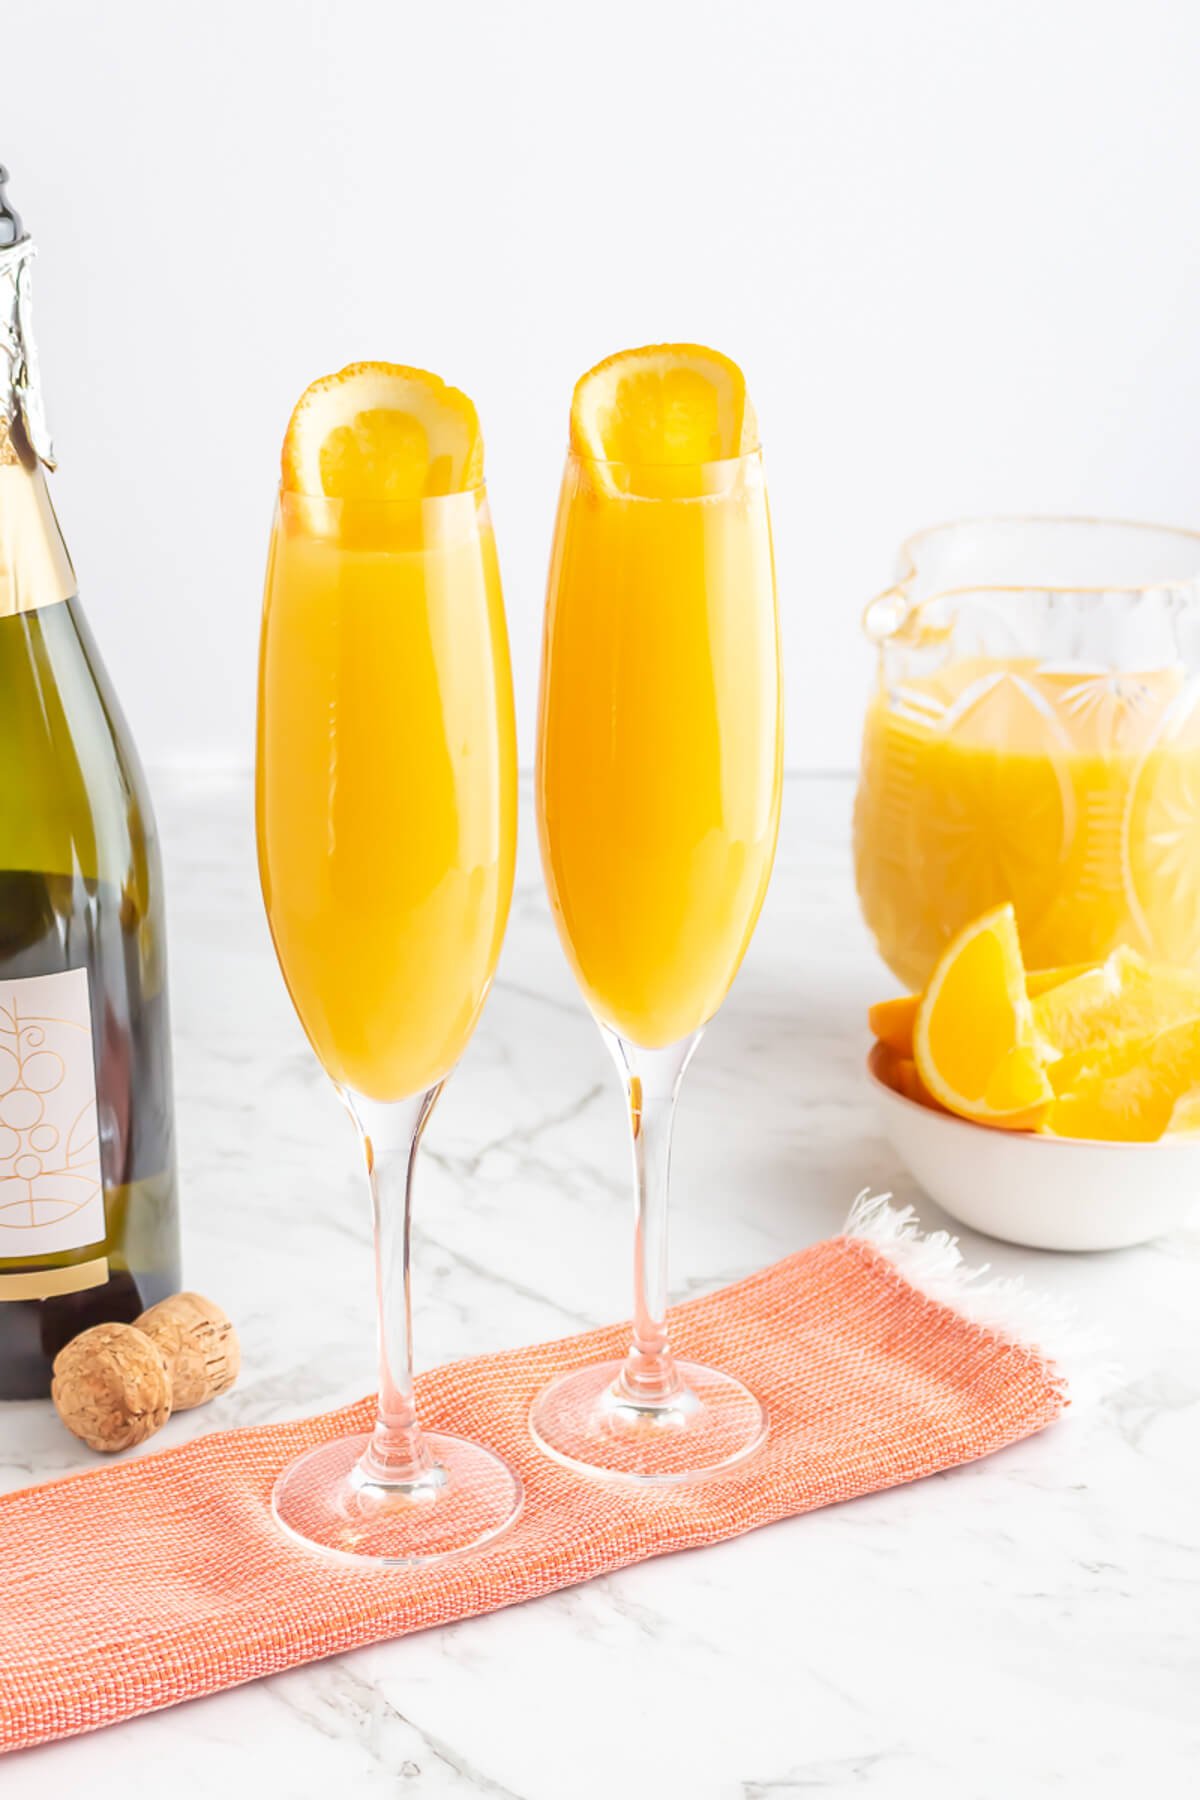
(35, 569)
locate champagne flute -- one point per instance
(658, 792)
(386, 801)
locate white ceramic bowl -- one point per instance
(1049, 1193)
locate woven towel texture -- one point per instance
(147, 1583)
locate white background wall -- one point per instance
(955, 245)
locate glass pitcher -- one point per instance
(1034, 736)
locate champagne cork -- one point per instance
(116, 1385)
(112, 1387)
(199, 1344)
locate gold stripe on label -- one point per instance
(43, 1284)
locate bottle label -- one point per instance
(51, 1194)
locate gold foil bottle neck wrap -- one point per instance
(35, 569)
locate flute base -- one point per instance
(467, 1498)
(587, 1421)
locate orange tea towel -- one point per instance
(151, 1582)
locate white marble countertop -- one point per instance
(1024, 1626)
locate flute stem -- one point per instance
(390, 1133)
(651, 1079)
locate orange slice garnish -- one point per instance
(380, 431)
(974, 1042)
(665, 407)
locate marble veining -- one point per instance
(1022, 1627)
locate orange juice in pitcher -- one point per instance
(1034, 736)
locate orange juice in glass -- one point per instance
(658, 789)
(1034, 736)
(386, 799)
(387, 827)
(659, 749)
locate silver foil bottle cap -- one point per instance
(20, 386)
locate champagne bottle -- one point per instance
(88, 1207)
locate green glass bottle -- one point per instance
(88, 1202)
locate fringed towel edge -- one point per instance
(1075, 1354)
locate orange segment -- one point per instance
(1129, 1091)
(974, 1040)
(663, 408)
(900, 1074)
(1041, 981)
(893, 1021)
(1018, 1083)
(1124, 998)
(1109, 1052)
(380, 431)
(1185, 1115)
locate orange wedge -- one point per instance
(380, 431)
(1041, 981)
(1185, 1115)
(893, 1021)
(974, 1040)
(1130, 1090)
(1124, 998)
(901, 1075)
(663, 408)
